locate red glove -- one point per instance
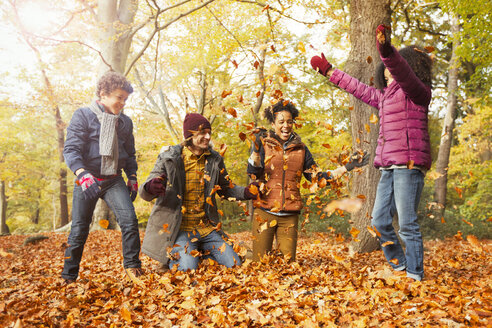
(383, 38)
(132, 185)
(157, 186)
(90, 186)
(320, 64)
(252, 191)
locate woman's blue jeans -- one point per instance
(213, 243)
(115, 193)
(399, 192)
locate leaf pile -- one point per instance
(329, 286)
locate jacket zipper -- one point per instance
(283, 181)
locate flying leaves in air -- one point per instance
(104, 223)
(301, 47)
(373, 119)
(226, 93)
(350, 205)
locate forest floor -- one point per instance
(328, 286)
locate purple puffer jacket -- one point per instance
(403, 108)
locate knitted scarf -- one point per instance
(108, 139)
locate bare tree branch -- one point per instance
(263, 5)
(160, 28)
(71, 41)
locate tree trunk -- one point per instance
(116, 22)
(448, 126)
(365, 17)
(256, 111)
(116, 18)
(103, 212)
(4, 228)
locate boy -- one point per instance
(98, 147)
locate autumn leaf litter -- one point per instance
(329, 286)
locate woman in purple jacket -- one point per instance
(402, 96)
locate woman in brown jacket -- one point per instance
(278, 160)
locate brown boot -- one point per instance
(161, 268)
(134, 274)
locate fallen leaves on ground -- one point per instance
(330, 285)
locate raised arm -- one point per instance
(365, 93)
(401, 71)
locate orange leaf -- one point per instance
(350, 205)
(253, 189)
(242, 136)
(232, 111)
(256, 64)
(368, 128)
(373, 119)
(222, 248)
(226, 93)
(369, 59)
(209, 201)
(410, 164)
(327, 146)
(220, 212)
(222, 150)
(394, 261)
(126, 314)
(429, 49)
(371, 231)
(104, 223)
(387, 243)
(214, 189)
(354, 232)
(273, 223)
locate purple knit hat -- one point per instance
(193, 123)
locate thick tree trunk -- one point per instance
(448, 127)
(116, 18)
(256, 111)
(102, 212)
(365, 17)
(62, 177)
(4, 228)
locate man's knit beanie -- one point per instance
(193, 123)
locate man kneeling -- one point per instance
(184, 180)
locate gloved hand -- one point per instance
(157, 186)
(383, 40)
(132, 185)
(356, 160)
(320, 64)
(89, 184)
(252, 191)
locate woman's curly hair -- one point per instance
(111, 81)
(271, 111)
(419, 61)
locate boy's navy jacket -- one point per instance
(82, 144)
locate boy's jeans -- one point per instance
(213, 242)
(399, 190)
(116, 195)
